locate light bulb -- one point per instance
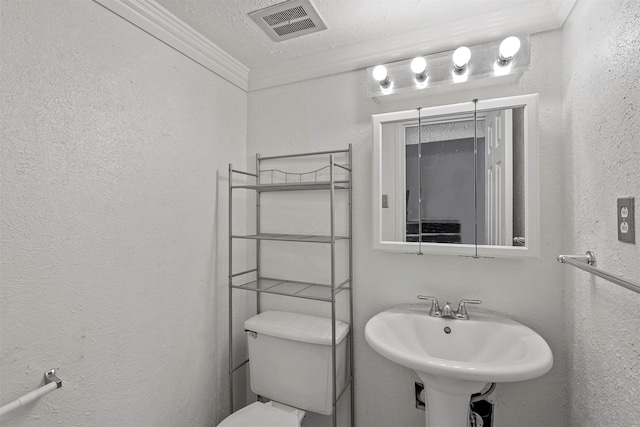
(508, 49)
(380, 73)
(419, 68)
(461, 58)
(381, 76)
(418, 65)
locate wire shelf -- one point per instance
(315, 291)
(290, 237)
(278, 176)
(296, 186)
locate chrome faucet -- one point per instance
(447, 311)
(435, 308)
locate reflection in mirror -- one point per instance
(442, 214)
(501, 178)
(458, 179)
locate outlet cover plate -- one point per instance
(626, 220)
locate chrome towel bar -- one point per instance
(51, 381)
(587, 262)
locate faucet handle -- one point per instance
(435, 308)
(462, 308)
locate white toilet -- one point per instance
(290, 362)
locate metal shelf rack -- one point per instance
(275, 180)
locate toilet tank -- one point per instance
(290, 359)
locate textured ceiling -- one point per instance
(227, 24)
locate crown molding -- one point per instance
(540, 16)
(562, 9)
(155, 20)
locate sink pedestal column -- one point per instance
(448, 400)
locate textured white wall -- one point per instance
(114, 152)
(113, 221)
(334, 111)
(601, 144)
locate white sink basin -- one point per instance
(486, 347)
(456, 358)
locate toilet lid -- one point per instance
(259, 414)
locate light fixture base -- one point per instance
(484, 68)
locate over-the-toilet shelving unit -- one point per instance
(332, 176)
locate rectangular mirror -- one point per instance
(458, 179)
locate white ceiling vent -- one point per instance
(289, 19)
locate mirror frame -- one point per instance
(531, 180)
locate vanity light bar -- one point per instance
(507, 57)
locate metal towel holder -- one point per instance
(587, 262)
(51, 381)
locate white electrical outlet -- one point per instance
(626, 220)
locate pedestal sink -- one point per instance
(456, 358)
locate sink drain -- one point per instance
(447, 330)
